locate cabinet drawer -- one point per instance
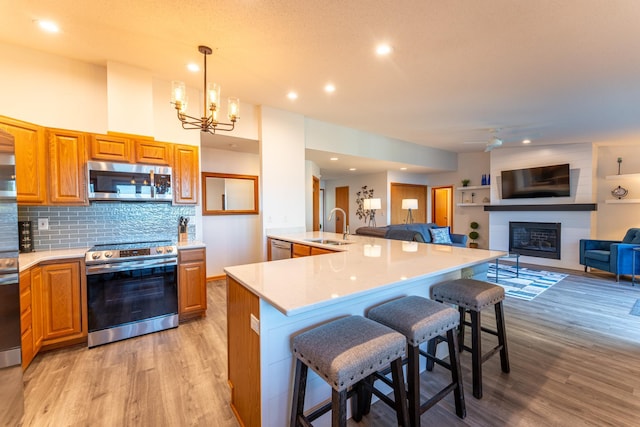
(191, 255)
(301, 250)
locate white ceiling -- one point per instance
(555, 71)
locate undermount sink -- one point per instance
(328, 242)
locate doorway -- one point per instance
(342, 202)
(442, 206)
(408, 191)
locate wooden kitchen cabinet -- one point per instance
(300, 250)
(110, 148)
(192, 283)
(67, 167)
(62, 302)
(185, 174)
(153, 152)
(31, 160)
(30, 314)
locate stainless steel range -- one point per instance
(131, 290)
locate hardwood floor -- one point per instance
(574, 353)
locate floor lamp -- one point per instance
(409, 204)
(371, 205)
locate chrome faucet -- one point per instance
(345, 231)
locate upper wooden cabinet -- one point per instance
(185, 174)
(31, 160)
(125, 149)
(111, 148)
(67, 161)
(153, 152)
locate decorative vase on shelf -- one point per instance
(619, 192)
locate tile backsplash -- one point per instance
(105, 222)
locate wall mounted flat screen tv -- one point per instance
(544, 181)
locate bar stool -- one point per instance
(421, 320)
(473, 296)
(343, 353)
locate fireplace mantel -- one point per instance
(572, 207)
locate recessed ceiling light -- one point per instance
(333, 159)
(383, 49)
(193, 67)
(329, 88)
(526, 141)
(48, 26)
(292, 95)
(403, 169)
(352, 169)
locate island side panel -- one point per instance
(277, 331)
(243, 353)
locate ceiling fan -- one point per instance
(493, 142)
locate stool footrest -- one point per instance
(437, 397)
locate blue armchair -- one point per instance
(611, 255)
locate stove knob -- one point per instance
(108, 254)
(169, 249)
(160, 250)
(95, 255)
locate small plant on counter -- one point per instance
(466, 182)
(474, 235)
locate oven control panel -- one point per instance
(102, 255)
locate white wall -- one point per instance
(52, 91)
(615, 219)
(575, 225)
(376, 181)
(230, 239)
(470, 166)
(282, 161)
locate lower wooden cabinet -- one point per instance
(305, 250)
(192, 283)
(63, 302)
(31, 314)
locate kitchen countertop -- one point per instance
(364, 265)
(30, 259)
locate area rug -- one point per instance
(527, 285)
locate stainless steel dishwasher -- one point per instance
(280, 249)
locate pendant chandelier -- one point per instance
(211, 102)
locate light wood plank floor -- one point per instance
(574, 352)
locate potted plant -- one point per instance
(474, 235)
(465, 182)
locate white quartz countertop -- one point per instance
(366, 264)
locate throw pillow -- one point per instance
(440, 235)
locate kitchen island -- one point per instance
(269, 302)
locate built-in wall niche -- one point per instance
(229, 194)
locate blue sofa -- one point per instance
(422, 228)
(614, 256)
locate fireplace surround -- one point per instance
(537, 239)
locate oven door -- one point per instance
(126, 302)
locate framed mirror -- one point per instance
(229, 194)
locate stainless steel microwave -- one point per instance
(129, 182)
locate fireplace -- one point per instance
(539, 239)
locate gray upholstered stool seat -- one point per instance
(473, 296)
(344, 352)
(420, 320)
(468, 293)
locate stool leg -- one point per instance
(456, 373)
(299, 388)
(338, 408)
(463, 315)
(399, 394)
(361, 402)
(476, 353)
(502, 338)
(413, 380)
(431, 350)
